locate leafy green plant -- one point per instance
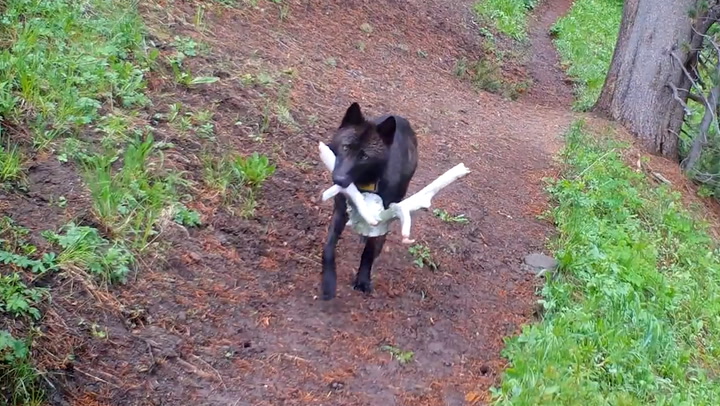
(633, 315)
(422, 256)
(185, 216)
(17, 299)
(184, 77)
(15, 251)
(19, 380)
(73, 149)
(84, 249)
(443, 215)
(45, 264)
(11, 349)
(186, 45)
(403, 357)
(99, 332)
(586, 38)
(254, 169)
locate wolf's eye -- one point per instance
(345, 147)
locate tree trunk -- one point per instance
(652, 49)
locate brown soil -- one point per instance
(229, 315)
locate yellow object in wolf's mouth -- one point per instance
(368, 187)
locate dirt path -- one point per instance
(550, 85)
(232, 317)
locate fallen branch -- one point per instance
(368, 216)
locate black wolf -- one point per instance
(380, 156)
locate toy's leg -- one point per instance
(337, 225)
(373, 248)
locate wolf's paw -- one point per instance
(362, 285)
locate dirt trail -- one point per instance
(550, 85)
(232, 317)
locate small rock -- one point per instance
(366, 28)
(540, 262)
(538, 311)
(336, 385)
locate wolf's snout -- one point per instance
(341, 180)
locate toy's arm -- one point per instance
(423, 199)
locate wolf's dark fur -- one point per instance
(381, 151)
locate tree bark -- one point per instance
(654, 46)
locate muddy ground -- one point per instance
(229, 314)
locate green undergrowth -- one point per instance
(585, 39)
(503, 28)
(62, 60)
(632, 317)
(486, 74)
(10, 164)
(130, 200)
(73, 85)
(236, 179)
(507, 16)
(19, 301)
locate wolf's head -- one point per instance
(361, 148)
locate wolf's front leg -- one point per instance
(337, 225)
(373, 248)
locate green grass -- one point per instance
(130, 200)
(508, 16)
(633, 315)
(11, 160)
(237, 179)
(64, 60)
(10, 163)
(586, 39)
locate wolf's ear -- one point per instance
(386, 130)
(353, 116)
